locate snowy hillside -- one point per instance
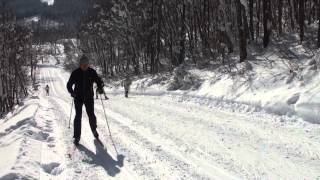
(278, 83)
(182, 136)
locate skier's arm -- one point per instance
(71, 83)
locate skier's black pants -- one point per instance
(89, 104)
(126, 92)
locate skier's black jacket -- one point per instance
(83, 81)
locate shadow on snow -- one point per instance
(103, 159)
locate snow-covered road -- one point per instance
(162, 137)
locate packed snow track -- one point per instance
(167, 137)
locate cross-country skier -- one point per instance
(47, 90)
(82, 79)
(126, 83)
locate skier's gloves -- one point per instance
(73, 95)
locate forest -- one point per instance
(20, 42)
(143, 36)
(147, 36)
(17, 61)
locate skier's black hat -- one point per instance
(84, 60)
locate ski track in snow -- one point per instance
(163, 138)
(83, 164)
(227, 138)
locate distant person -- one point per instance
(126, 83)
(104, 93)
(47, 90)
(82, 79)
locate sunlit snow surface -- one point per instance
(161, 135)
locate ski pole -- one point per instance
(70, 115)
(110, 134)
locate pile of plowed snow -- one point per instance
(269, 83)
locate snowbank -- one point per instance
(14, 132)
(27, 145)
(269, 83)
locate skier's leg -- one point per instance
(105, 95)
(77, 120)
(126, 92)
(92, 117)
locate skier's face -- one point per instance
(84, 67)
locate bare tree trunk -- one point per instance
(266, 23)
(301, 19)
(318, 14)
(280, 4)
(251, 19)
(183, 34)
(241, 31)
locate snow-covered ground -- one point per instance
(161, 136)
(282, 80)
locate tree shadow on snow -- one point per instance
(103, 159)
